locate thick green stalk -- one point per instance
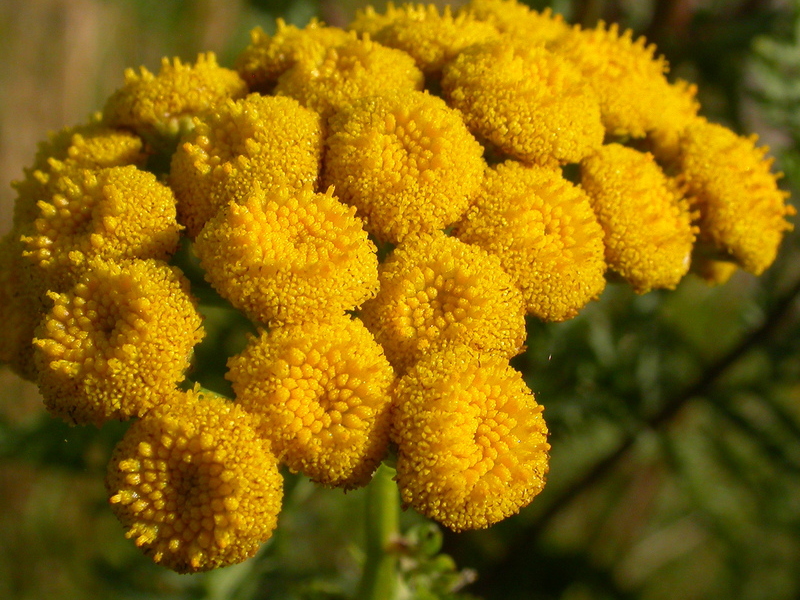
(379, 578)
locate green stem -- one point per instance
(379, 578)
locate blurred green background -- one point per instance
(675, 416)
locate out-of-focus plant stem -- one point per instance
(379, 577)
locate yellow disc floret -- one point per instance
(435, 288)
(370, 21)
(431, 38)
(320, 393)
(21, 308)
(635, 96)
(194, 485)
(530, 103)
(117, 343)
(647, 222)
(347, 72)
(115, 213)
(545, 233)
(742, 210)
(518, 23)
(161, 107)
(90, 146)
(267, 57)
(271, 141)
(405, 160)
(289, 255)
(472, 443)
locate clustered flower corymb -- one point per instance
(386, 203)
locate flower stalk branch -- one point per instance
(379, 578)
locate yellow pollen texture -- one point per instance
(742, 210)
(117, 343)
(289, 256)
(320, 394)
(90, 146)
(472, 443)
(268, 56)
(431, 38)
(193, 484)
(545, 233)
(161, 107)
(271, 141)
(530, 103)
(21, 308)
(405, 160)
(519, 24)
(630, 82)
(648, 231)
(435, 288)
(115, 214)
(352, 70)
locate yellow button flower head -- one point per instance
(369, 21)
(472, 443)
(265, 139)
(289, 255)
(742, 211)
(347, 72)
(161, 107)
(117, 343)
(635, 96)
(194, 485)
(518, 22)
(647, 222)
(529, 102)
(21, 308)
(545, 233)
(89, 146)
(267, 57)
(405, 160)
(679, 111)
(114, 213)
(435, 288)
(320, 393)
(433, 38)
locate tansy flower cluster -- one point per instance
(386, 203)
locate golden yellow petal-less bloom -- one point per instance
(635, 96)
(545, 233)
(530, 103)
(742, 210)
(289, 255)
(115, 213)
(680, 109)
(320, 393)
(194, 485)
(21, 308)
(519, 24)
(161, 107)
(434, 289)
(118, 343)
(472, 443)
(347, 72)
(647, 222)
(369, 21)
(432, 38)
(265, 139)
(267, 57)
(89, 146)
(405, 160)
